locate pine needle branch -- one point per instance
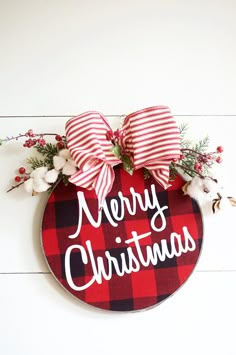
(36, 163)
(202, 145)
(183, 129)
(48, 149)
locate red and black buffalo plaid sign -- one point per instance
(123, 263)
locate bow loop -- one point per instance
(152, 140)
(91, 150)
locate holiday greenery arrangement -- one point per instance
(54, 162)
(195, 160)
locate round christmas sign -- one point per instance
(133, 253)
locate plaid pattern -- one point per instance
(137, 290)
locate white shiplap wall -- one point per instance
(59, 58)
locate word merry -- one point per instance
(148, 201)
(153, 254)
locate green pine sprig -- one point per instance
(48, 151)
(183, 130)
(191, 154)
(202, 145)
(36, 163)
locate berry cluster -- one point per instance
(30, 133)
(23, 177)
(208, 159)
(41, 141)
(60, 142)
(194, 162)
(115, 136)
(31, 142)
(34, 139)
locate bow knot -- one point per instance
(115, 136)
(150, 137)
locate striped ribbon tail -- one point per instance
(91, 150)
(152, 139)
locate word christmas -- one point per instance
(134, 256)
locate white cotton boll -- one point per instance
(58, 162)
(28, 185)
(210, 187)
(65, 153)
(51, 176)
(203, 189)
(72, 162)
(39, 185)
(195, 187)
(39, 172)
(69, 169)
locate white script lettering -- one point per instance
(128, 262)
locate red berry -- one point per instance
(17, 179)
(26, 178)
(30, 133)
(29, 143)
(220, 149)
(60, 145)
(219, 160)
(21, 170)
(109, 135)
(58, 137)
(175, 160)
(41, 141)
(181, 157)
(198, 167)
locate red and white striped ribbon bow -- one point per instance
(91, 150)
(152, 139)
